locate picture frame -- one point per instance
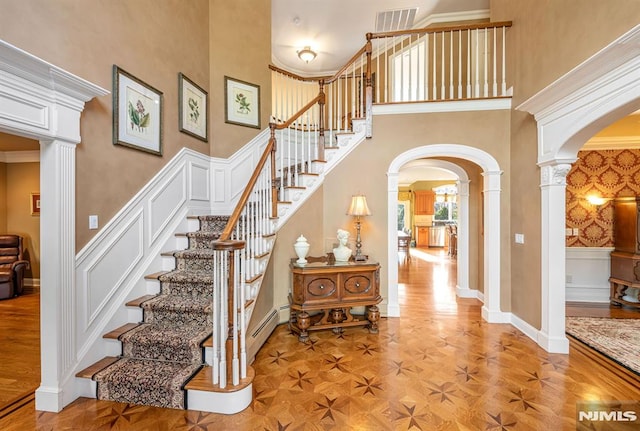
(35, 204)
(193, 116)
(242, 103)
(137, 113)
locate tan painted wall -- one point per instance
(364, 171)
(22, 180)
(308, 222)
(151, 39)
(241, 49)
(548, 39)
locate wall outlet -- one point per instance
(519, 238)
(93, 222)
(568, 278)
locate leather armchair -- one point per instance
(12, 266)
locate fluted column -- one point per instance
(553, 176)
(492, 212)
(58, 312)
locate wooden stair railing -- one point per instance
(307, 109)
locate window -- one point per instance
(446, 205)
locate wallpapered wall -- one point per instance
(604, 173)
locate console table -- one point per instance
(331, 289)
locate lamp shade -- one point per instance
(358, 206)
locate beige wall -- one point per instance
(153, 40)
(364, 171)
(22, 179)
(240, 34)
(548, 39)
(306, 221)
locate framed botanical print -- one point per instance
(137, 113)
(193, 116)
(242, 103)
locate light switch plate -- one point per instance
(519, 238)
(93, 222)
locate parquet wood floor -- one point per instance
(438, 367)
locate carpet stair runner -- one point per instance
(162, 353)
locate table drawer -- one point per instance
(357, 286)
(320, 289)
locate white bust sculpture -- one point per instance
(342, 253)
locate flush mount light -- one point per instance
(306, 54)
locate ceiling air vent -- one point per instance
(394, 20)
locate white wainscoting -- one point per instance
(110, 269)
(587, 274)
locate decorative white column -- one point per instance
(491, 308)
(393, 306)
(462, 283)
(58, 313)
(553, 176)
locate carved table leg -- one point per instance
(303, 321)
(338, 316)
(373, 315)
(293, 319)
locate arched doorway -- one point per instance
(462, 183)
(568, 112)
(491, 187)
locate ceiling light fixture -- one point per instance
(306, 54)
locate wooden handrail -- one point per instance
(235, 216)
(438, 29)
(298, 77)
(347, 64)
(305, 108)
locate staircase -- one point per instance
(168, 358)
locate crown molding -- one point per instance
(613, 143)
(453, 17)
(20, 156)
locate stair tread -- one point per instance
(137, 301)
(155, 275)
(254, 278)
(116, 333)
(295, 187)
(103, 363)
(203, 381)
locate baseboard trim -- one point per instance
(261, 334)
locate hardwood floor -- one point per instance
(438, 367)
(19, 350)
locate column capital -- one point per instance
(492, 181)
(554, 174)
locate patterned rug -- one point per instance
(160, 355)
(616, 338)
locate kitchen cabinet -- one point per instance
(425, 200)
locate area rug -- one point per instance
(617, 339)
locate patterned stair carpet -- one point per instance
(616, 338)
(160, 355)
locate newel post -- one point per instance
(321, 104)
(274, 190)
(369, 86)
